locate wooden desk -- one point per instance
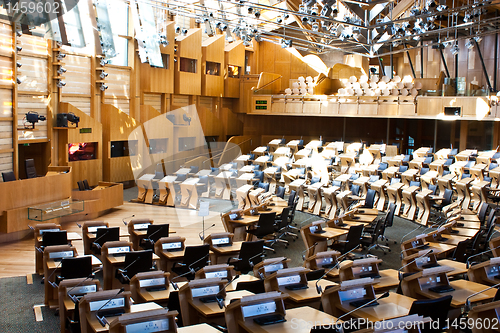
(298, 320)
(224, 252)
(212, 309)
(460, 267)
(105, 196)
(441, 249)
(463, 289)
(390, 307)
(331, 233)
(198, 328)
(389, 279)
(309, 295)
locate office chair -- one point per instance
(437, 309)
(414, 183)
(291, 198)
(282, 227)
(264, 186)
(402, 168)
(250, 255)
(75, 267)
(423, 171)
(281, 192)
(371, 241)
(369, 199)
(29, 166)
(445, 202)
(8, 176)
(195, 258)
(81, 187)
(352, 240)
(256, 287)
(86, 185)
(265, 228)
(155, 232)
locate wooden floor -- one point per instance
(18, 258)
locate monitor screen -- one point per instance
(76, 267)
(157, 231)
(138, 261)
(55, 238)
(104, 235)
(82, 151)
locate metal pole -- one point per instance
(483, 65)
(444, 62)
(411, 64)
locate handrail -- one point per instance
(258, 89)
(224, 150)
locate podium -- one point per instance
(52, 259)
(145, 187)
(294, 145)
(409, 176)
(113, 257)
(486, 273)
(270, 176)
(424, 206)
(138, 230)
(159, 320)
(395, 196)
(463, 192)
(495, 242)
(189, 193)
(282, 151)
(169, 250)
(222, 186)
(167, 191)
(379, 187)
(347, 161)
(298, 186)
(359, 269)
(324, 260)
(417, 262)
(222, 246)
(39, 230)
(242, 196)
(89, 230)
(150, 287)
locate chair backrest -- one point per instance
(256, 287)
(285, 217)
(395, 180)
(8, 176)
(194, 169)
(353, 237)
(460, 253)
(76, 267)
(157, 231)
(373, 178)
(433, 188)
(196, 257)
(250, 251)
(428, 160)
(259, 175)
(355, 189)
(181, 177)
(482, 212)
(370, 198)
(264, 186)
(423, 171)
(81, 187)
(281, 192)
(266, 223)
(403, 168)
(291, 198)
(492, 166)
(29, 165)
(315, 275)
(336, 183)
(86, 184)
(315, 180)
(382, 166)
(436, 308)
(447, 196)
(354, 176)
(491, 216)
(389, 219)
(466, 175)
(414, 183)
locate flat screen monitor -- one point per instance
(157, 231)
(137, 262)
(76, 267)
(55, 238)
(104, 235)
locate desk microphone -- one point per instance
(220, 300)
(400, 276)
(149, 238)
(123, 271)
(78, 222)
(98, 238)
(53, 284)
(467, 301)
(310, 247)
(342, 257)
(479, 254)
(31, 227)
(190, 271)
(128, 217)
(102, 320)
(384, 295)
(91, 275)
(203, 231)
(250, 260)
(412, 248)
(262, 277)
(401, 241)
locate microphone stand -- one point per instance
(129, 217)
(255, 256)
(220, 301)
(123, 271)
(416, 247)
(53, 284)
(190, 271)
(95, 241)
(467, 301)
(310, 247)
(479, 254)
(318, 287)
(102, 320)
(411, 262)
(270, 264)
(74, 298)
(203, 231)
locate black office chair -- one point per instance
(437, 309)
(282, 227)
(281, 192)
(256, 287)
(8, 176)
(265, 228)
(250, 255)
(371, 241)
(352, 240)
(86, 185)
(154, 233)
(75, 267)
(445, 202)
(29, 166)
(81, 187)
(195, 258)
(291, 198)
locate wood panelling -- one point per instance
(120, 103)
(33, 74)
(81, 103)
(213, 51)
(154, 100)
(32, 103)
(6, 103)
(78, 76)
(188, 46)
(118, 82)
(234, 55)
(33, 45)
(117, 126)
(87, 169)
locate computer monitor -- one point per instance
(76, 267)
(54, 238)
(137, 262)
(157, 231)
(104, 235)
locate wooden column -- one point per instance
(464, 129)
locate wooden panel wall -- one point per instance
(234, 54)
(118, 92)
(213, 51)
(154, 100)
(188, 46)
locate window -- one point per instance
(187, 65)
(123, 148)
(213, 68)
(233, 71)
(158, 146)
(186, 144)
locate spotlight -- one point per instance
(104, 62)
(19, 81)
(257, 13)
(19, 33)
(469, 44)
(455, 49)
(19, 65)
(19, 48)
(184, 31)
(177, 30)
(315, 26)
(61, 56)
(103, 75)
(478, 39)
(285, 43)
(60, 84)
(103, 87)
(61, 71)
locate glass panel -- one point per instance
(105, 30)
(55, 209)
(233, 71)
(158, 146)
(187, 65)
(123, 148)
(213, 68)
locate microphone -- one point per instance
(78, 222)
(411, 262)
(479, 254)
(98, 238)
(102, 320)
(401, 241)
(415, 247)
(262, 277)
(467, 300)
(310, 247)
(255, 256)
(190, 271)
(201, 232)
(31, 227)
(318, 287)
(91, 275)
(53, 284)
(129, 217)
(149, 238)
(220, 300)
(123, 271)
(384, 295)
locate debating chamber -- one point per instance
(249, 166)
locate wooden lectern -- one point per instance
(89, 230)
(222, 271)
(222, 246)
(159, 320)
(170, 250)
(113, 257)
(138, 230)
(150, 287)
(52, 259)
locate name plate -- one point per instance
(219, 274)
(171, 246)
(152, 282)
(324, 261)
(94, 229)
(220, 241)
(141, 226)
(206, 291)
(148, 326)
(84, 290)
(121, 249)
(112, 304)
(347, 295)
(42, 231)
(62, 254)
(273, 268)
(286, 280)
(258, 309)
